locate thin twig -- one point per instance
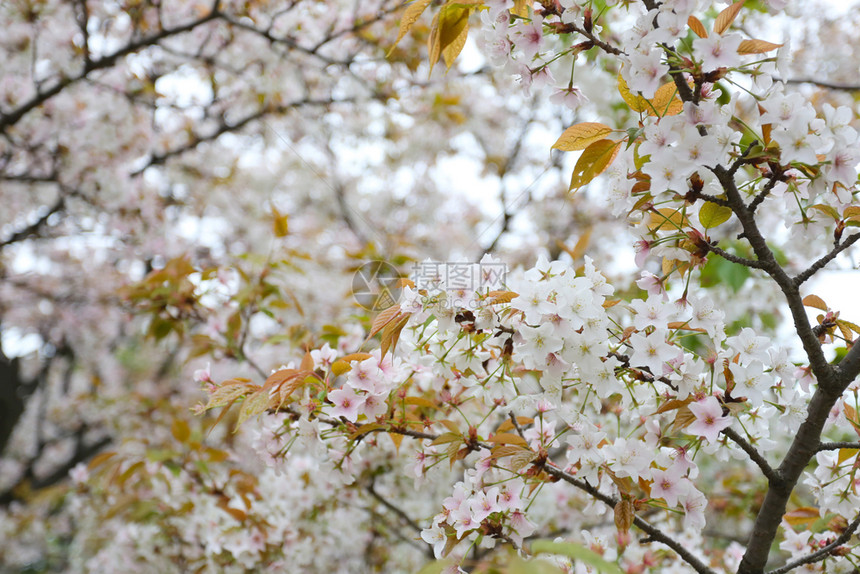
(734, 258)
(823, 553)
(399, 512)
(818, 265)
(772, 476)
(654, 533)
(837, 445)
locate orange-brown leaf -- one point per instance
(756, 47)
(683, 418)
(508, 438)
(496, 297)
(391, 334)
(815, 301)
(383, 319)
(508, 424)
(697, 27)
(673, 404)
(180, 430)
(805, 515)
(727, 16)
(447, 437)
(624, 513)
(666, 101)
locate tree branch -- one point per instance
(225, 127)
(10, 119)
(820, 366)
(820, 554)
(33, 228)
(818, 265)
(733, 258)
(755, 456)
(837, 445)
(403, 516)
(654, 533)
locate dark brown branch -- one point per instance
(399, 512)
(654, 533)
(11, 118)
(33, 228)
(820, 366)
(513, 419)
(822, 553)
(802, 449)
(831, 383)
(230, 127)
(755, 456)
(837, 445)
(713, 199)
(733, 258)
(762, 195)
(818, 265)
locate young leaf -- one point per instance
(580, 136)
(727, 16)
(665, 101)
(446, 438)
(391, 334)
(827, 210)
(496, 297)
(634, 102)
(521, 8)
(756, 47)
(815, 301)
(673, 404)
(697, 27)
(180, 430)
(455, 46)
(445, 33)
(851, 211)
(410, 16)
(624, 514)
(846, 453)
(383, 319)
(667, 219)
(507, 424)
(280, 225)
(593, 161)
(508, 438)
(253, 405)
(805, 516)
(712, 215)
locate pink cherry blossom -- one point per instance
(709, 421)
(347, 403)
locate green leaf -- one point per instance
(711, 215)
(577, 552)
